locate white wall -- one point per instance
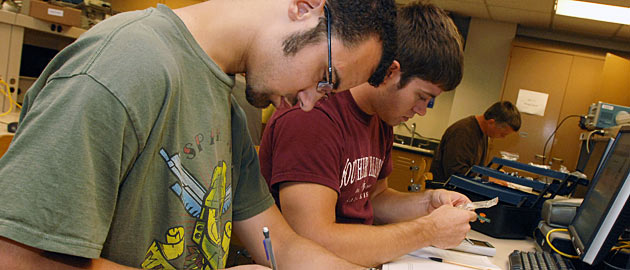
(485, 60)
(486, 55)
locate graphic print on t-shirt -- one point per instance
(212, 232)
(160, 253)
(356, 171)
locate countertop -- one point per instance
(412, 149)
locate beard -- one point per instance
(257, 99)
(263, 99)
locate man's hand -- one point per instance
(441, 197)
(448, 225)
(291, 250)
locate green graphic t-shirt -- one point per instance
(131, 148)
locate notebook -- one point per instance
(419, 259)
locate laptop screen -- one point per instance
(600, 219)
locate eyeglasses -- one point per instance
(326, 87)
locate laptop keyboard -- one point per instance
(522, 260)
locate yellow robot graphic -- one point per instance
(159, 254)
(213, 239)
(213, 230)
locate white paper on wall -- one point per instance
(531, 102)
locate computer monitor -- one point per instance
(605, 211)
(592, 153)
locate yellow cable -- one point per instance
(554, 248)
(620, 247)
(6, 93)
(10, 98)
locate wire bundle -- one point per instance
(6, 93)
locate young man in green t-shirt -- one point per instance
(131, 151)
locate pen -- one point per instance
(456, 263)
(468, 240)
(268, 249)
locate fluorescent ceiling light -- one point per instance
(593, 11)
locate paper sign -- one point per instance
(531, 102)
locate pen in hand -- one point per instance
(268, 248)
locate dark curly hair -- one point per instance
(429, 46)
(354, 21)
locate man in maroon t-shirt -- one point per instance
(328, 168)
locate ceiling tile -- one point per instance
(522, 17)
(536, 14)
(588, 27)
(473, 8)
(531, 5)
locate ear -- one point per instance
(393, 73)
(303, 9)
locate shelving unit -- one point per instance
(18, 29)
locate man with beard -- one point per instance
(132, 153)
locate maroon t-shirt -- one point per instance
(336, 145)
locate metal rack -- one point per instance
(556, 183)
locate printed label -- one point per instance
(55, 12)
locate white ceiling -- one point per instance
(538, 14)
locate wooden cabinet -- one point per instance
(181, 3)
(581, 91)
(615, 85)
(126, 5)
(18, 30)
(10, 51)
(539, 71)
(408, 168)
(573, 77)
